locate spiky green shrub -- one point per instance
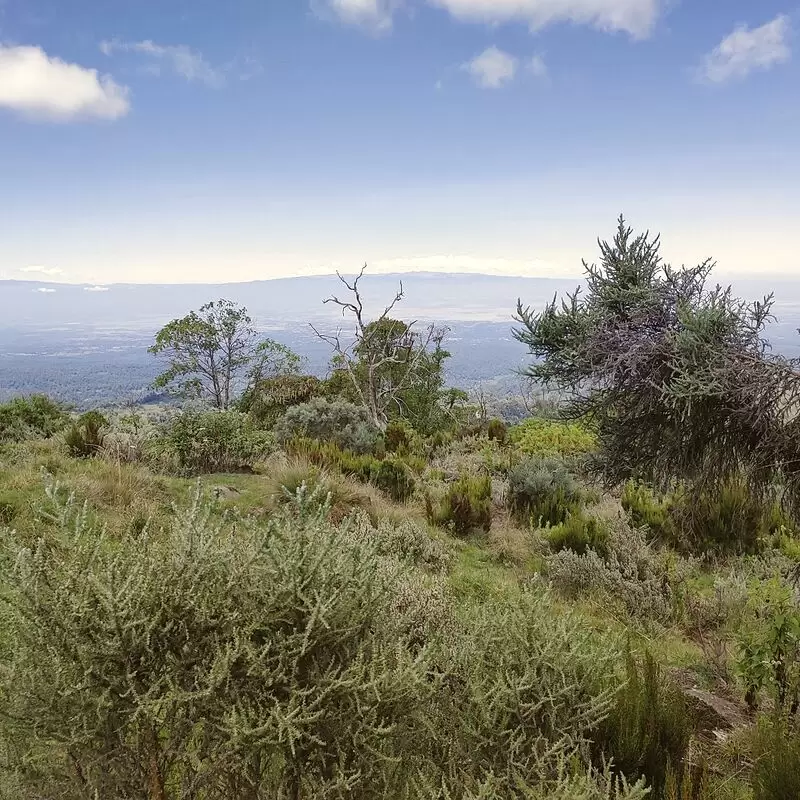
(36, 416)
(466, 506)
(393, 477)
(337, 421)
(197, 442)
(214, 661)
(542, 491)
(776, 759)
(533, 684)
(85, 437)
(648, 731)
(543, 437)
(497, 430)
(579, 533)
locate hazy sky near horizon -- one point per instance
(202, 141)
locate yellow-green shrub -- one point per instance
(549, 437)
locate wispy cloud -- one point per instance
(44, 290)
(95, 288)
(373, 15)
(180, 59)
(50, 271)
(492, 69)
(43, 87)
(537, 66)
(636, 17)
(748, 49)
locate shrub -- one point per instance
(466, 506)
(534, 683)
(194, 443)
(36, 416)
(776, 760)
(271, 397)
(769, 645)
(729, 519)
(543, 437)
(84, 439)
(644, 509)
(393, 477)
(648, 731)
(397, 437)
(579, 533)
(497, 430)
(255, 662)
(336, 421)
(542, 491)
(340, 495)
(632, 573)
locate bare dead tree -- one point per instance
(384, 358)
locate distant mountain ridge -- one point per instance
(440, 296)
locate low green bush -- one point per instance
(398, 437)
(36, 416)
(542, 491)
(466, 506)
(85, 437)
(645, 509)
(394, 478)
(336, 421)
(542, 437)
(198, 442)
(579, 533)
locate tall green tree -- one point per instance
(215, 353)
(390, 367)
(675, 372)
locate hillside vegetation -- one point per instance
(369, 587)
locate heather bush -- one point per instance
(398, 437)
(466, 506)
(631, 573)
(579, 533)
(542, 491)
(269, 398)
(215, 661)
(36, 416)
(497, 430)
(394, 478)
(197, 442)
(86, 436)
(648, 731)
(645, 509)
(336, 421)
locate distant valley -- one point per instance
(88, 345)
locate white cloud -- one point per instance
(44, 290)
(455, 263)
(748, 49)
(43, 270)
(95, 288)
(183, 61)
(43, 87)
(636, 17)
(537, 66)
(373, 15)
(492, 69)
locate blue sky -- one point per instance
(191, 140)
